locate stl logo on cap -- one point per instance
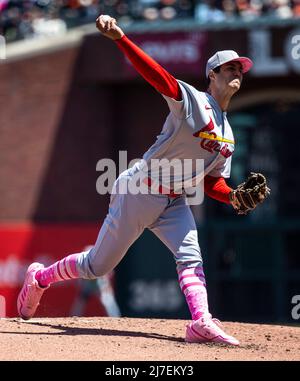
(224, 56)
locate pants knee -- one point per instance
(87, 266)
(97, 271)
(96, 266)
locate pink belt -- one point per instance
(162, 190)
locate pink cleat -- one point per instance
(206, 330)
(31, 293)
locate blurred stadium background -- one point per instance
(69, 98)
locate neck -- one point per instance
(223, 100)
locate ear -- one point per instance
(211, 75)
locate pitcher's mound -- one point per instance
(132, 339)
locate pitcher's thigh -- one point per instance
(127, 218)
(118, 232)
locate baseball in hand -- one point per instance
(105, 18)
(108, 27)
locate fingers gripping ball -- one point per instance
(108, 27)
(106, 18)
(250, 193)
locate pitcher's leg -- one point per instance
(118, 231)
(128, 216)
(114, 238)
(177, 229)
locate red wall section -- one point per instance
(21, 244)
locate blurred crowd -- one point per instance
(34, 18)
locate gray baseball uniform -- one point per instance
(196, 128)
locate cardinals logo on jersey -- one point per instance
(210, 141)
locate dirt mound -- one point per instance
(130, 339)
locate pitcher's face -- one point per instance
(229, 78)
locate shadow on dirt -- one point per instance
(65, 330)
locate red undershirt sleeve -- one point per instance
(216, 188)
(152, 72)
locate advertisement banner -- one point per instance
(177, 52)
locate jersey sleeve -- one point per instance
(222, 168)
(180, 109)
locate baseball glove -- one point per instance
(250, 193)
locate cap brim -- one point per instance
(245, 62)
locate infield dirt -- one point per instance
(133, 339)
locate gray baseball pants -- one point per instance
(170, 219)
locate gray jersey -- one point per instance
(196, 128)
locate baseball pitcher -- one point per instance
(196, 128)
